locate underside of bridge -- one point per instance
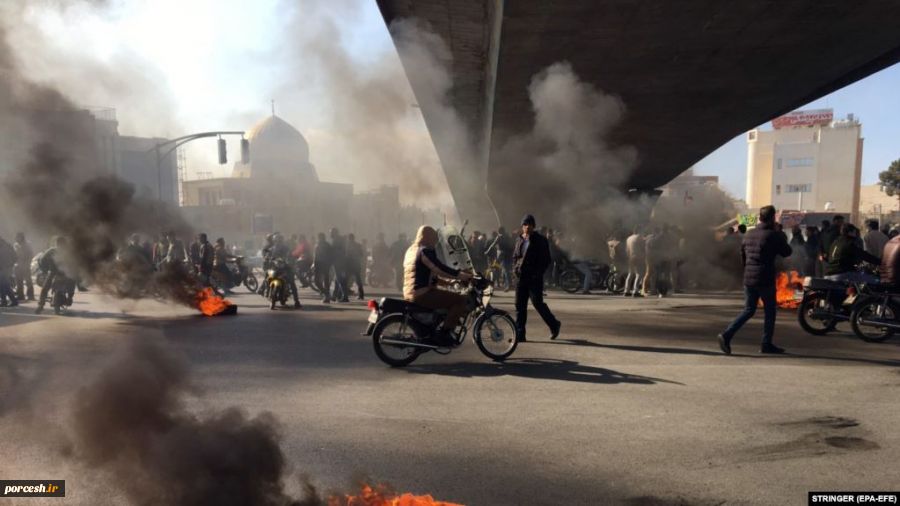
(692, 74)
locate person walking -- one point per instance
(24, 254)
(355, 265)
(798, 257)
(531, 257)
(635, 248)
(322, 261)
(759, 249)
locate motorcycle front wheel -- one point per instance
(251, 283)
(394, 328)
(495, 335)
(615, 282)
(274, 295)
(571, 280)
(816, 324)
(868, 309)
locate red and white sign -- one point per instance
(804, 118)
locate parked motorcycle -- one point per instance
(571, 279)
(825, 303)
(876, 314)
(401, 330)
(276, 278)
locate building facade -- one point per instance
(807, 162)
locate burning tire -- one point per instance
(870, 309)
(816, 315)
(496, 335)
(395, 328)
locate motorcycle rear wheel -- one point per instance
(571, 280)
(251, 283)
(615, 282)
(873, 333)
(393, 327)
(815, 326)
(495, 335)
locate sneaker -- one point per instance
(771, 349)
(297, 305)
(626, 294)
(39, 309)
(724, 344)
(586, 292)
(326, 300)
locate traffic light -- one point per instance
(245, 151)
(223, 153)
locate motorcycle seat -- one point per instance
(824, 284)
(391, 305)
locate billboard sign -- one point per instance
(804, 118)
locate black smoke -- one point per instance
(131, 424)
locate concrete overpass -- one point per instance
(693, 73)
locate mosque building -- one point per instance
(280, 191)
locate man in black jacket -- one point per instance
(758, 251)
(531, 258)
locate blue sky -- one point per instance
(875, 101)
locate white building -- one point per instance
(807, 162)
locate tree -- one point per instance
(890, 179)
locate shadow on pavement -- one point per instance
(691, 351)
(649, 349)
(537, 368)
(18, 316)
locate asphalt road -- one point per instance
(634, 404)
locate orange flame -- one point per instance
(786, 286)
(211, 304)
(381, 495)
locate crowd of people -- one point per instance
(338, 266)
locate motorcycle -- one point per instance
(238, 274)
(571, 279)
(825, 303)
(277, 279)
(615, 280)
(400, 330)
(876, 314)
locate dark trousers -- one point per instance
(532, 288)
(323, 280)
(6, 290)
(356, 275)
(752, 295)
(23, 282)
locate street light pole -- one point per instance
(177, 143)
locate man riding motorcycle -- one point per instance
(845, 254)
(282, 250)
(50, 263)
(421, 270)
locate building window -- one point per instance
(797, 188)
(751, 135)
(800, 162)
(777, 189)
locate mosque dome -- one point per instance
(277, 150)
